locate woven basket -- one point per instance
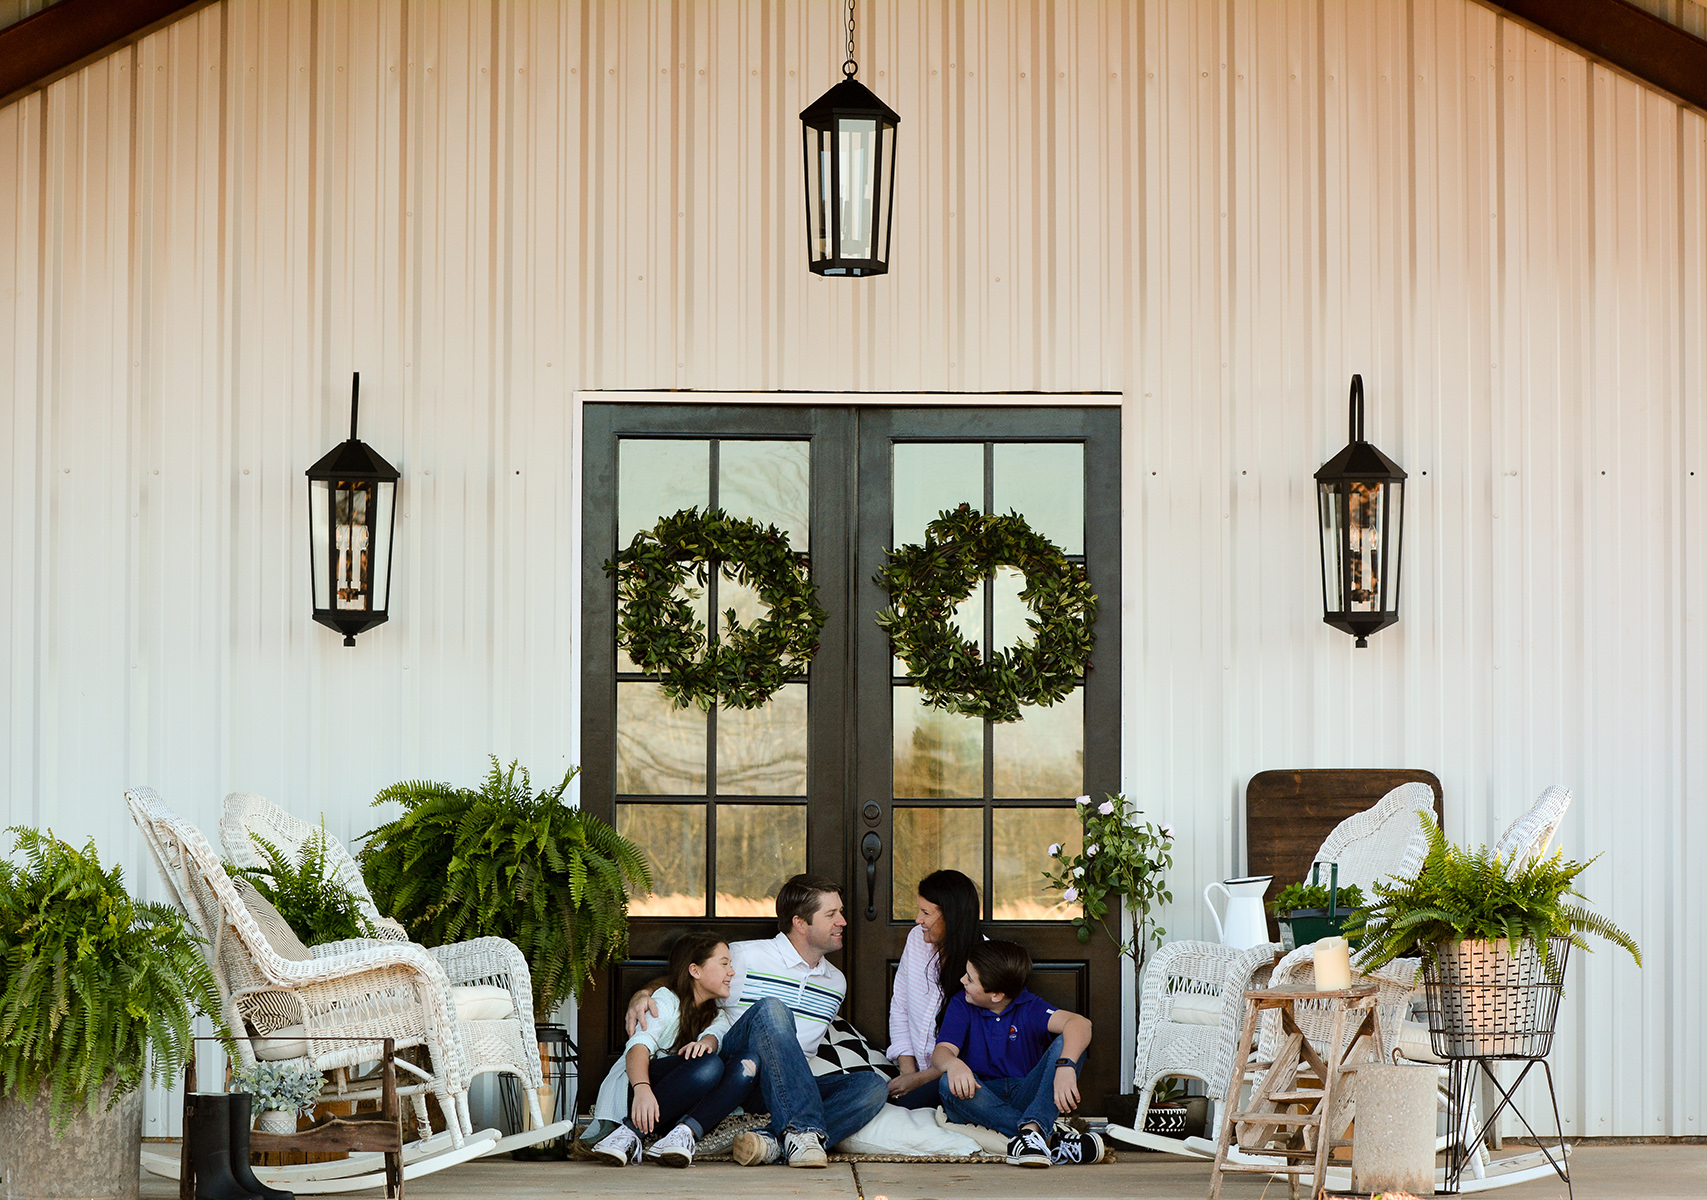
(1486, 1002)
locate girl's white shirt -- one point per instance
(612, 1102)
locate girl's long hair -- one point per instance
(691, 950)
(962, 918)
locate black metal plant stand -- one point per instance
(1503, 1015)
(562, 1060)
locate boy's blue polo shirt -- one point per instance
(1004, 1045)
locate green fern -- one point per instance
(93, 983)
(500, 861)
(309, 897)
(1462, 895)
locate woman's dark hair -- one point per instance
(1003, 967)
(962, 919)
(691, 950)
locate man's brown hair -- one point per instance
(801, 897)
(1003, 967)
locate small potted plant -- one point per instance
(1309, 912)
(282, 1091)
(1493, 942)
(97, 993)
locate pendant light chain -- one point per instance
(850, 68)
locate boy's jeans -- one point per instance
(1006, 1104)
(832, 1106)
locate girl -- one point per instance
(934, 959)
(676, 1080)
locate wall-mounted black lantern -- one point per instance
(352, 513)
(848, 136)
(1362, 494)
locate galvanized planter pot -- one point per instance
(98, 1157)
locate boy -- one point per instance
(1010, 1062)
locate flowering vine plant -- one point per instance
(1122, 853)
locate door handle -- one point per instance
(871, 847)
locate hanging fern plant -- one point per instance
(93, 983)
(499, 861)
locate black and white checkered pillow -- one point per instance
(844, 1048)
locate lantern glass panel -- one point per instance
(1393, 532)
(1365, 523)
(383, 528)
(352, 533)
(819, 191)
(320, 533)
(1333, 546)
(857, 146)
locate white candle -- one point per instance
(1333, 964)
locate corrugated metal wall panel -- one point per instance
(1220, 210)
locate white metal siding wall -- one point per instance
(1221, 210)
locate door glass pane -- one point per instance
(762, 751)
(1045, 483)
(934, 839)
(1010, 615)
(1021, 855)
(660, 750)
(1041, 756)
(758, 846)
(657, 477)
(768, 482)
(930, 477)
(938, 754)
(673, 837)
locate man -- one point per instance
(783, 998)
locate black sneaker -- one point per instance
(1028, 1149)
(1076, 1149)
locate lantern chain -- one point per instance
(850, 68)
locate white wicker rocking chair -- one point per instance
(1529, 837)
(505, 1045)
(1381, 842)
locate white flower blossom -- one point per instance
(1082, 801)
(1078, 872)
(1092, 849)
(1167, 831)
(1106, 807)
(1055, 850)
(1070, 895)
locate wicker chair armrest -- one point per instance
(389, 930)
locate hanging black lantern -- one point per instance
(1362, 494)
(848, 136)
(352, 512)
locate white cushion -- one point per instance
(482, 1002)
(1414, 1043)
(1190, 1008)
(988, 1140)
(289, 1042)
(910, 1132)
(280, 936)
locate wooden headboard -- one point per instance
(1288, 814)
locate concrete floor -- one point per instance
(1651, 1172)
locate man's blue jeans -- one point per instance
(1006, 1104)
(832, 1106)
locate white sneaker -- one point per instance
(620, 1148)
(675, 1148)
(804, 1149)
(755, 1148)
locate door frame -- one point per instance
(593, 1036)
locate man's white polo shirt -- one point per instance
(773, 967)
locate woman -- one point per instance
(675, 1079)
(934, 959)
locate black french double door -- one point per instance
(727, 804)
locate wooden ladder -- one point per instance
(1283, 1108)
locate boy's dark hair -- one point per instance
(801, 897)
(1003, 967)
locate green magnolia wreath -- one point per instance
(926, 582)
(660, 631)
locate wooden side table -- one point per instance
(1283, 1108)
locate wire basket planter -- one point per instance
(1484, 1001)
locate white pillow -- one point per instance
(1192, 1009)
(912, 1132)
(1415, 1043)
(289, 1042)
(482, 1002)
(988, 1140)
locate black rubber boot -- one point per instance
(207, 1128)
(241, 1103)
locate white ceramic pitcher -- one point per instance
(1245, 925)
